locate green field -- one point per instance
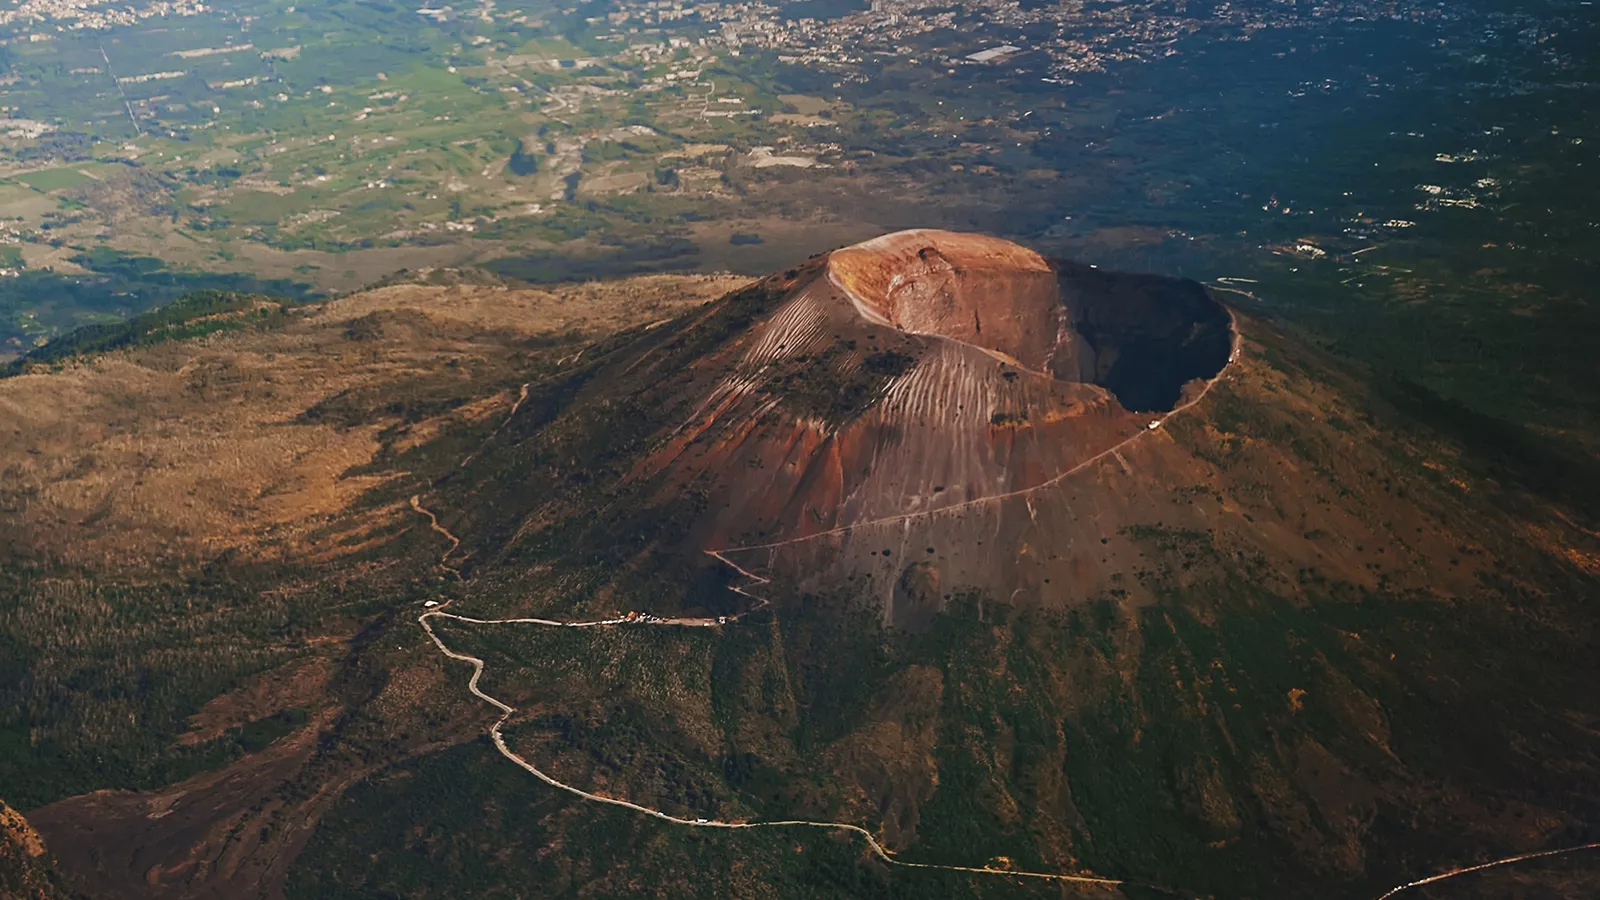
(54, 179)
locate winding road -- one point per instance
(496, 734)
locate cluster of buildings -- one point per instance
(1082, 37)
(62, 15)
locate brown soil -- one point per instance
(295, 684)
(19, 833)
(184, 451)
(229, 834)
(174, 454)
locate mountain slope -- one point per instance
(1282, 640)
(1289, 642)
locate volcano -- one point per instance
(892, 393)
(948, 568)
(921, 415)
(1053, 561)
(912, 382)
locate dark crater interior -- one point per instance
(1144, 336)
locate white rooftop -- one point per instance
(993, 53)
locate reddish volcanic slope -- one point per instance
(891, 397)
(924, 414)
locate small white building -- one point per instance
(993, 53)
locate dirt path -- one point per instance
(522, 397)
(496, 733)
(1488, 865)
(433, 522)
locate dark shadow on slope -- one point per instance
(1549, 466)
(1147, 336)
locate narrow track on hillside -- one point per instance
(1465, 870)
(497, 735)
(522, 397)
(433, 522)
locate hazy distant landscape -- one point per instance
(350, 347)
(332, 144)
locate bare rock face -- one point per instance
(911, 393)
(1140, 336)
(981, 291)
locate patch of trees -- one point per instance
(70, 146)
(522, 162)
(192, 315)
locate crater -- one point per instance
(1141, 337)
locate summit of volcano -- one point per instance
(899, 389)
(909, 381)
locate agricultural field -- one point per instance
(337, 144)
